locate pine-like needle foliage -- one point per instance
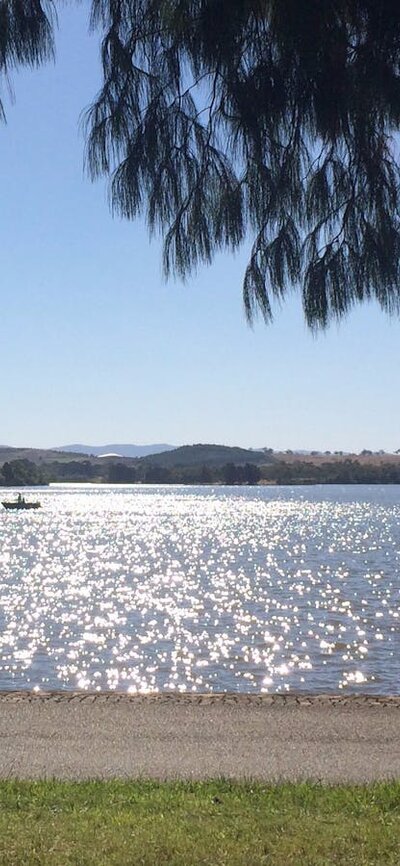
(274, 119)
(278, 117)
(26, 35)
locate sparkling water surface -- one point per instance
(148, 588)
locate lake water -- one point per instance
(196, 588)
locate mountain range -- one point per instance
(122, 450)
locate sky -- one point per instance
(96, 347)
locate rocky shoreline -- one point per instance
(279, 701)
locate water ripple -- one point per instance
(201, 589)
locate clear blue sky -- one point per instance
(95, 346)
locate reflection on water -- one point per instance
(208, 589)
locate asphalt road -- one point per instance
(69, 736)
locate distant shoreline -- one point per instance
(205, 465)
(222, 484)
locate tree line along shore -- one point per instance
(290, 471)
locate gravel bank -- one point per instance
(269, 737)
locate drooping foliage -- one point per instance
(274, 117)
(26, 35)
(273, 120)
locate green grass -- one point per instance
(152, 824)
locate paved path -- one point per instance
(78, 736)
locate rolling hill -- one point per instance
(208, 455)
(37, 455)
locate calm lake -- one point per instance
(198, 588)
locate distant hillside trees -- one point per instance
(207, 455)
(23, 472)
(18, 473)
(339, 472)
(230, 473)
(120, 473)
(247, 474)
(71, 470)
(206, 476)
(159, 475)
(252, 474)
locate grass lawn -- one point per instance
(219, 823)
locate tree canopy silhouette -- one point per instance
(224, 120)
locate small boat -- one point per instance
(20, 504)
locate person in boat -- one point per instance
(21, 499)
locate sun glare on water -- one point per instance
(193, 589)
